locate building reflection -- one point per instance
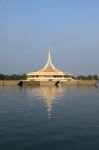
(49, 95)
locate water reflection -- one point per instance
(74, 112)
(49, 95)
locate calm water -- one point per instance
(49, 118)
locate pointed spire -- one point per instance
(49, 64)
(49, 55)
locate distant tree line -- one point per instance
(89, 77)
(23, 77)
(13, 77)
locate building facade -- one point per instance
(49, 73)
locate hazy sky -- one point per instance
(69, 27)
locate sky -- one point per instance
(70, 28)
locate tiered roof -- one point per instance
(49, 69)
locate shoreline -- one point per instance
(33, 83)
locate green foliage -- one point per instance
(89, 77)
(13, 77)
(96, 77)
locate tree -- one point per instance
(13, 77)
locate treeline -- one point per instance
(23, 77)
(89, 77)
(13, 77)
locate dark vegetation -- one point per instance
(13, 77)
(23, 77)
(89, 77)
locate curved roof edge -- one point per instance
(49, 68)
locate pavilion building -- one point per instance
(49, 73)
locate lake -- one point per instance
(49, 118)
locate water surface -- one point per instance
(49, 118)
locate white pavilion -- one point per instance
(49, 73)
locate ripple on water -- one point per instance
(49, 118)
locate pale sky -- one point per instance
(70, 28)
